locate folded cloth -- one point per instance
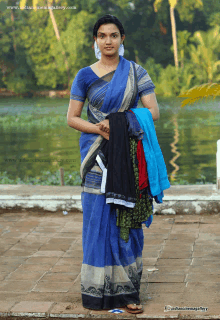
(142, 167)
(156, 167)
(118, 182)
(133, 217)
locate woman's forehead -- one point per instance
(108, 28)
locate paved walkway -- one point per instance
(41, 256)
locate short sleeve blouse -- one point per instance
(85, 77)
(78, 88)
(145, 84)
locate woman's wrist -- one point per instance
(97, 130)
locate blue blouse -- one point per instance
(86, 76)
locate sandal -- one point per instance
(130, 310)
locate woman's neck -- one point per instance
(109, 62)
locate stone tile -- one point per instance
(206, 261)
(149, 237)
(62, 277)
(68, 261)
(5, 306)
(76, 287)
(9, 296)
(185, 218)
(5, 269)
(152, 309)
(165, 298)
(67, 268)
(171, 269)
(47, 286)
(150, 247)
(60, 244)
(50, 296)
(178, 242)
(67, 235)
(203, 277)
(32, 306)
(42, 260)
(151, 254)
(173, 262)
(185, 237)
(171, 254)
(17, 286)
(158, 242)
(204, 269)
(19, 275)
(18, 253)
(149, 261)
(46, 229)
(165, 287)
(16, 235)
(69, 308)
(201, 298)
(165, 277)
(203, 287)
(48, 254)
(177, 247)
(40, 268)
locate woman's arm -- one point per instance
(150, 101)
(74, 120)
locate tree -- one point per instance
(205, 55)
(200, 92)
(172, 4)
(49, 5)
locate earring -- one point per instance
(97, 51)
(121, 50)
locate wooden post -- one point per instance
(218, 165)
(62, 176)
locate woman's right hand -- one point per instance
(105, 134)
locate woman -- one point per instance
(111, 269)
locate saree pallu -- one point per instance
(111, 268)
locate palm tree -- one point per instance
(206, 66)
(49, 4)
(197, 93)
(172, 4)
(205, 57)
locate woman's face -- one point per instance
(108, 35)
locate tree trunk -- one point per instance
(13, 28)
(173, 26)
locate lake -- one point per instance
(36, 140)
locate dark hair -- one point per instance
(108, 18)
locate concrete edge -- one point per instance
(39, 315)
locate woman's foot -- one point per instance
(134, 308)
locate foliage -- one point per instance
(199, 92)
(32, 58)
(46, 178)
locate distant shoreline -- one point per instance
(39, 93)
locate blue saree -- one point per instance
(111, 268)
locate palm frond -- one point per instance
(196, 93)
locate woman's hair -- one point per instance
(108, 18)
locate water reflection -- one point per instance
(41, 140)
(174, 149)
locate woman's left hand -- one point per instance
(104, 125)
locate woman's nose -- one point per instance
(108, 40)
